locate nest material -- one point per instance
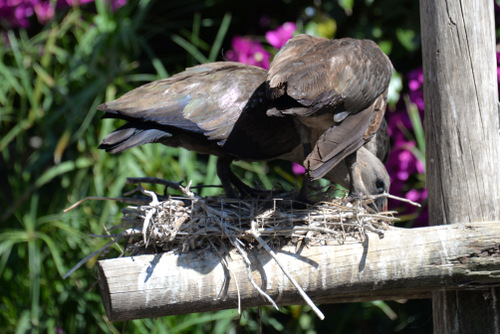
(191, 222)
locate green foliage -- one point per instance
(51, 81)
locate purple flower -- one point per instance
(415, 79)
(416, 85)
(403, 166)
(115, 4)
(73, 2)
(297, 169)
(16, 13)
(44, 12)
(416, 195)
(250, 52)
(277, 38)
(21, 14)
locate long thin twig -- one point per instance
(226, 265)
(304, 295)
(249, 274)
(405, 200)
(127, 200)
(88, 257)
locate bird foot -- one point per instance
(351, 197)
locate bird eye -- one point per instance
(380, 185)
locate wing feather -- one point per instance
(204, 99)
(337, 143)
(318, 72)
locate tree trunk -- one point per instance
(462, 140)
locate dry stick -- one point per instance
(153, 180)
(249, 273)
(169, 184)
(98, 198)
(145, 225)
(112, 238)
(235, 242)
(405, 200)
(226, 264)
(308, 300)
(88, 257)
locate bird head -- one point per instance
(370, 178)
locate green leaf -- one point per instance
(219, 38)
(190, 48)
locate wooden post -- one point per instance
(406, 263)
(462, 140)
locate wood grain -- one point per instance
(462, 140)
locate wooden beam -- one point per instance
(462, 140)
(406, 263)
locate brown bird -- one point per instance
(336, 93)
(219, 109)
(369, 175)
(215, 108)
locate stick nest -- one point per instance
(157, 224)
(190, 222)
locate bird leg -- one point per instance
(226, 175)
(350, 161)
(305, 137)
(229, 179)
(306, 181)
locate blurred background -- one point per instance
(60, 59)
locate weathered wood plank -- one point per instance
(462, 139)
(406, 263)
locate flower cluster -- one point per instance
(16, 13)
(404, 168)
(250, 51)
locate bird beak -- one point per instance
(381, 204)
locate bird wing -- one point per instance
(337, 142)
(380, 144)
(205, 99)
(340, 74)
(344, 138)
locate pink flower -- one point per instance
(21, 14)
(75, 2)
(415, 79)
(277, 38)
(44, 12)
(297, 169)
(250, 52)
(115, 4)
(16, 13)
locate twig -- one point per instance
(136, 201)
(153, 180)
(189, 222)
(405, 200)
(226, 265)
(250, 278)
(112, 238)
(308, 300)
(236, 243)
(88, 257)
